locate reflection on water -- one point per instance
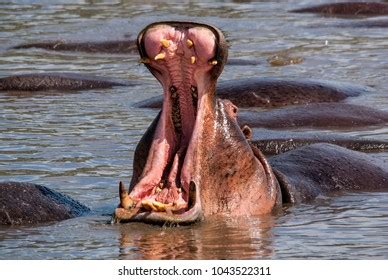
(81, 143)
(239, 238)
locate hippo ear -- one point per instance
(247, 131)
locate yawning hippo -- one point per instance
(194, 161)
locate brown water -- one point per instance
(82, 143)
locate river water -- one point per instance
(82, 143)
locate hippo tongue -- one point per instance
(180, 58)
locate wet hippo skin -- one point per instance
(273, 92)
(272, 142)
(348, 9)
(320, 115)
(25, 203)
(57, 81)
(123, 46)
(320, 169)
(195, 161)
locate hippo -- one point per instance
(58, 81)
(275, 92)
(347, 9)
(115, 47)
(194, 161)
(319, 115)
(26, 203)
(273, 142)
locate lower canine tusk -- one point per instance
(125, 201)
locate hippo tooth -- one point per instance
(126, 201)
(144, 60)
(189, 43)
(160, 56)
(213, 62)
(160, 207)
(148, 205)
(192, 59)
(158, 190)
(165, 43)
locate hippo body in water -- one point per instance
(320, 115)
(347, 9)
(273, 92)
(273, 142)
(114, 47)
(57, 81)
(25, 203)
(194, 161)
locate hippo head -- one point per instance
(194, 160)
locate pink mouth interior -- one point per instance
(180, 58)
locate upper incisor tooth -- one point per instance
(160, 56)
(189, 43)
(192, 59)
(165, 43)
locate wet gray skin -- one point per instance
(273, 142)
(347, 9)
(25, 203)
(272, 92)
(58, 81)
(320, 115)
(123, 46)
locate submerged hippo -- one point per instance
(348, 9)
(25, 203)
(273, 92)
(273, 142)
(194, 161)
(114, 47)
(57, 81)
(322, 115)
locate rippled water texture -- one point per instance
(82, 143)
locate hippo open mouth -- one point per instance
(187, 59)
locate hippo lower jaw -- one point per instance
(183, 57)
